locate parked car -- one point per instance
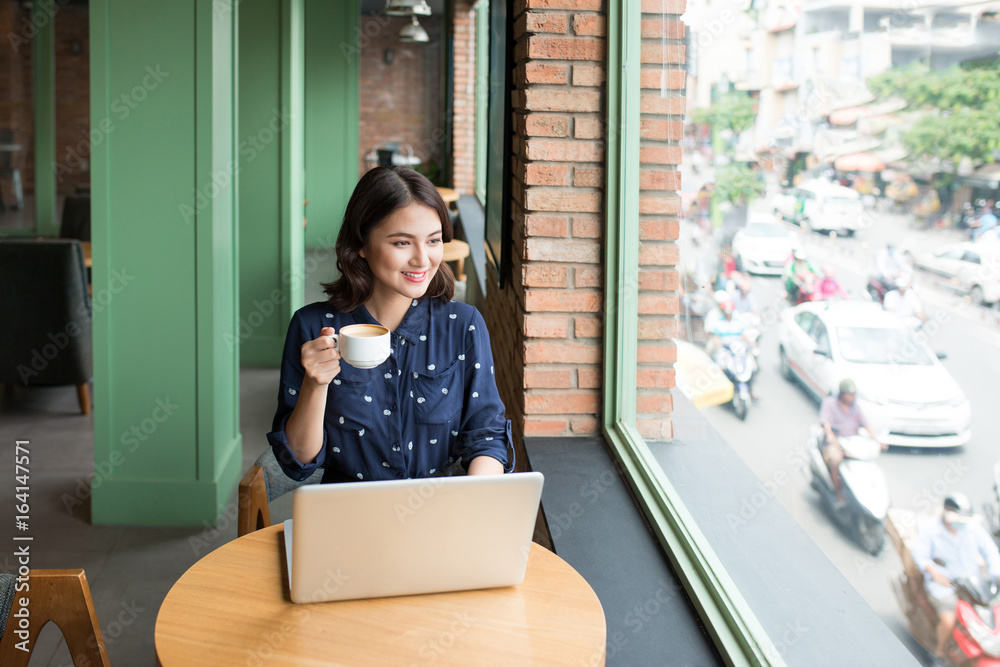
(762, 246)
(905, 392)
(830, 207)
(970, 268)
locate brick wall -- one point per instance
(463, 147)
(72, 91)
(551, 361)
(402, 101)
(661, 129)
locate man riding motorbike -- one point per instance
(890, 266)
(949, 547)
(725, 328)
(905, 304)
(841, 417)
(798, 272)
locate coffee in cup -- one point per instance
(362, 345)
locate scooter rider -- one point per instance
(797, 272)
(956, 542)
(889, 265)
(725, 328)
(905, 304)
(840, 416)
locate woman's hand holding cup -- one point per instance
(320, 358)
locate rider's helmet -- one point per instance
(829, 271)
(727, 306)
(902, 282)
(720, 296)
(798, 253)
(847, 386)
(958, 503)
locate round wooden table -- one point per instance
(456, 251)
(232, 607)
(449, 195)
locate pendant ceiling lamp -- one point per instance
(407, 8)
(414, 32)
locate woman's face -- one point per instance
(405, 251)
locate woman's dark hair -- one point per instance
(381, 192)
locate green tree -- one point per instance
(738, 183)
(963, 104)
(734, 111)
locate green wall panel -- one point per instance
(271, 183)
(164, 278)
(331, 122)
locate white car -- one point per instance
(970, 268)
(831, 207)
(762, 246)
(904, 391)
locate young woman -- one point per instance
(433, 404)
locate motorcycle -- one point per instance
(739, 363)
(992, 509)
(863, 485)
(878, 287)
(975, 641)
(808, 290)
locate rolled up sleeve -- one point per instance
(290, 383)
(485, 431)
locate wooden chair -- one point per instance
(60, 596)
(261, 484)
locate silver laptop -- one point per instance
(379, 539)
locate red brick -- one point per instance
(657, 28)
(541, 72)
(534, 22)
(546, 174)
(536, 224)
(576, 250)
(540, 426)
(537, 378)
(591, 5)
(546, 326)
(661, 130)
(655, 430)
(665, 353)
(546, 125)
(565, 48)
(588, 276)
(655, 378)
(587, 177)
(589, 24)
(564, 151)
(658, 79)
(657, 304)
(659, 205)
(588, 75)
(658, 255)
(588, 128)
(563, 199)
(562, 301)
(654, 51)
(574, 402)
(561, 352)
(658, 279)
(659, 179)
(588, 377)
(658, 230)
(535, 99)
(657, 329)
(587, 227)
(654, 404)
(656, 104)
(660, 154)
(536, 275)
(663, 6)
(584, 424)
(588, 327)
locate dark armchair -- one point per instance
(45, 308)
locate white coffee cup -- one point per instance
(362, 345)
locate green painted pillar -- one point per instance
(333, 52)
(271, 164)
(167, 447)
(43, 53)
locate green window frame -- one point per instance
(482, 96)
(735, 630)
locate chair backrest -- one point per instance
(45, 292)
(76, 218)
(60, 596)
(8, 161)
(262, 483)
